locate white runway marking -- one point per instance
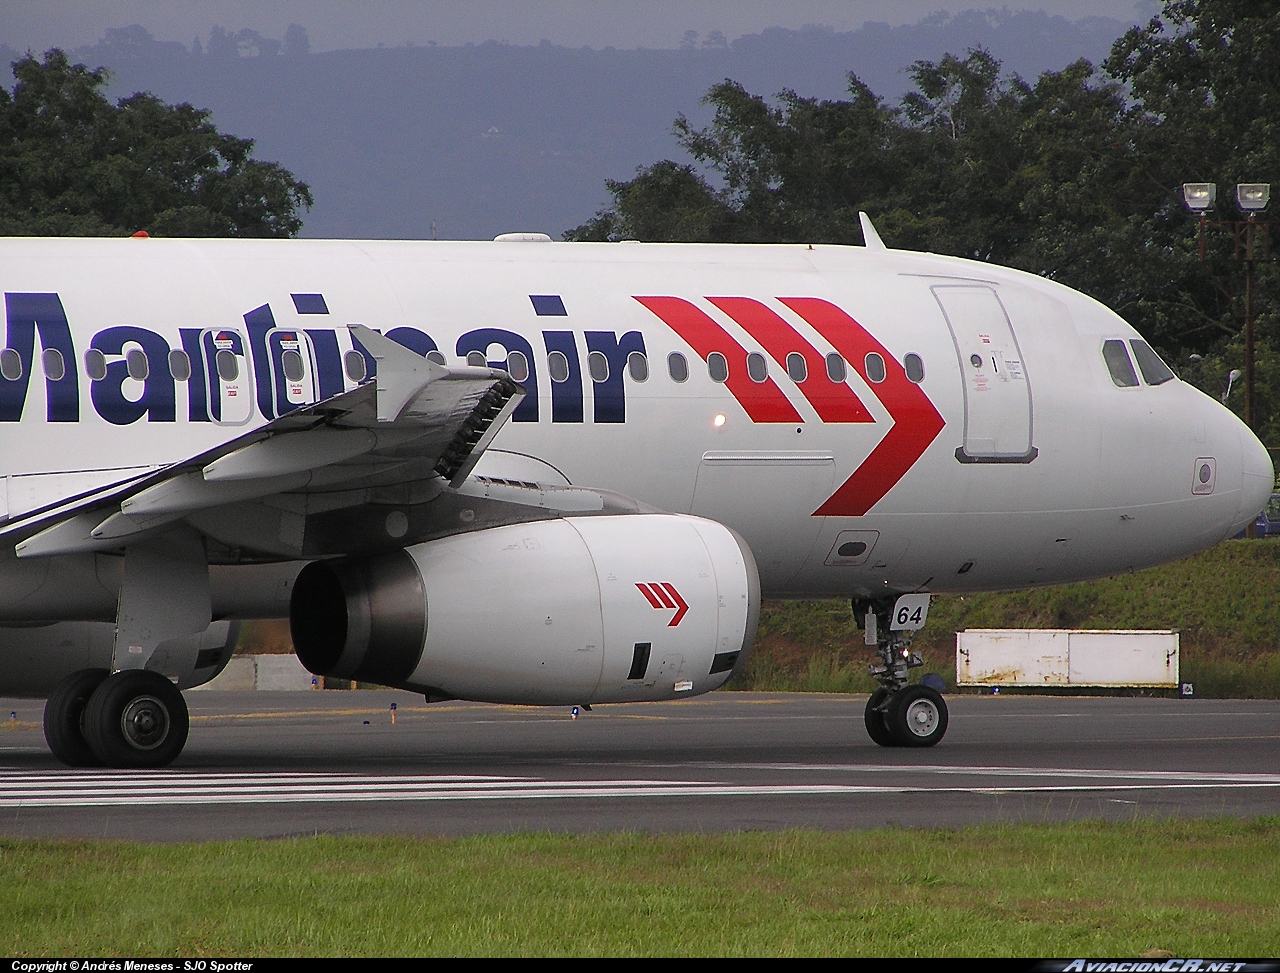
(159, 788)
(1077, 772)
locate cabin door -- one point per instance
(997, 391)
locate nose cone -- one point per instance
(1258, 477)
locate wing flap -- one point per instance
(430, 419)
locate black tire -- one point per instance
(874, 718)
(917, 716)
(64, 718)
(136, 719)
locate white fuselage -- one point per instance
(1015, 459)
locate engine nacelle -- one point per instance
(579, 610)
(35, 658)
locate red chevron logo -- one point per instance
(916, 421)
(763, 401)
(663, 595)
(833, 401)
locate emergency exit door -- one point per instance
(997, 392)
(229, 376)
(293, 370)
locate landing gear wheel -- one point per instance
(64, 718)
(136, 718)
(874, 717)
(917, 716)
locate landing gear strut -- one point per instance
(899, 715)
(135, 718)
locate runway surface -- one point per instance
(275, 764)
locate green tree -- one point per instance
(73, 164)
(664, 203)
(793, 172)
(1206, 76)
(1076, 176)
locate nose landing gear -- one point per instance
(898, 714)
(916, 717)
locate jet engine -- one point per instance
(577, 610)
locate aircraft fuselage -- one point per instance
(870, 421)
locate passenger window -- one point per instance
(229, 368)
(54, 367)
(914, 366)
(477, 359)
(10, 364)
(352, 360)
(797, 367)
(1153, 369)
(874, 365)
(1118, 364)
(677, 367)
(437, 357)
(558, 366)
(598, 366)
(136, 361)
(517, 366)
(757, 367)
(836, 368)
(717, 367)
(291, 361)
(95, 365)
(179, 365)
(638, 366)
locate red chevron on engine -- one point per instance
(664, 595)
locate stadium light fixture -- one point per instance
(1199, 196)
(1253, 196)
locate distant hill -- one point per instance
(488, 138)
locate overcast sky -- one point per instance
(331, 24)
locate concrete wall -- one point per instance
(266, 672)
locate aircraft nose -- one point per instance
(1258, 476)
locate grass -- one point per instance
(1223, 601)
(1193, 888)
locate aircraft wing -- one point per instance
(419, 422)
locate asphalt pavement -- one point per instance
(262, 764)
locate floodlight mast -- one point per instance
(1200, 197)
(1252, 199)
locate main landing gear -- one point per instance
(898, 714)
(135, 718)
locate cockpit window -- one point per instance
(1154, 371)
(1118, 364)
